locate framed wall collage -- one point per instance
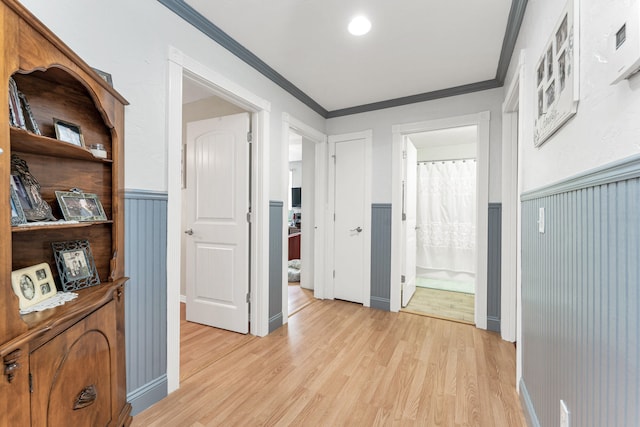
(557, 76)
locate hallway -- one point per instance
(337, 363)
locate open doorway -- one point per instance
(481, 121)
(304, 164)
(182, 67)
(300, 220)
(440, 220)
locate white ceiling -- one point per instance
(414, 47)
(462, 135)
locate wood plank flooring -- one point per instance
(447, 305)
(337, 363)
(299, 297)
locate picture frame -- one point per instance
(104, 76)
(79, 206)
(33, 284)
(17, 214)
(27, 189)
(75, 264)
(68, 132)
(557, 75)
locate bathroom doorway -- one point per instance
(445, 211)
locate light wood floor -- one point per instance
(337, 363)
(447, 305)
(299, 297)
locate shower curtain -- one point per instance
(446, 216)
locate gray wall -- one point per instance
(146, 297)
(580, 299)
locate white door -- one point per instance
(349, 225)
(410, 164)
(217, 241)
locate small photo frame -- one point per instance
(68, 132)
(33, 284)
(78, 206)
(17, 214)
(76, 267)
(104, 76)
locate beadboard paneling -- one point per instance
(146, 297)
(381, 256)
(275, 264)
(580, 298)
(494, 266)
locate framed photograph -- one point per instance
(17, 214)
(76, 267)
(78, 206)
(105, 76)
(68, 132)
(559, 93)
(33, 284)
(27, 189)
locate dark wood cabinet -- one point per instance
(294, 245)
(65, 365)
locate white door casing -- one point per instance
(218, 232)
(482, 121)
(350, 205)
(182, 66)
(410, 165)
(316, 231)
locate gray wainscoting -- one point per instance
(146, 297)
(580, 298)
(275, 264)
(494, 247)
(381, 256)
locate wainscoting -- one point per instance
(580, 298)
(146, 297)
(275, 264)
(494, 266)
(381, 256)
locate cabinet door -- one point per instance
(73, 380)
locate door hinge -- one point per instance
(403, 279)
(334, 217)
(334, 274)
(249, 137)
(248, 297)
(30, 383)
(404, 155)
(404, 216)
(249, 217)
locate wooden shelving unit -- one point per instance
(64, 365)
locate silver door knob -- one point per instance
(358, 229)
(189, 232)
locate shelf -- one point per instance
(56, 226)
(27, 142)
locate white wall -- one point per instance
(296, 174)
(130, 40)
(382, 120)
(607, 125)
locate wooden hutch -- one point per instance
(64, 366)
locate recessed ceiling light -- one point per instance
(359, 26)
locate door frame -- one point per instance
(289, 124)
(513, 111)
(482, 121)
(180, 65)
(367, 135)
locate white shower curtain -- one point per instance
(446, 215)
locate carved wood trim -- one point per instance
(11, 364)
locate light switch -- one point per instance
(541, 220)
